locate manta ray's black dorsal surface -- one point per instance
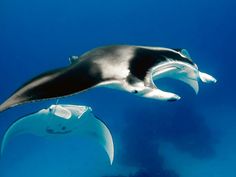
(54, 84)
(123, 67)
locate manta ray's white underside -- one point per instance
(62, 121)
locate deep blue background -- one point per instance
(192, 137)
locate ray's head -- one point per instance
(178, 64)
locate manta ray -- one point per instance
(124, 67)
(63, 121)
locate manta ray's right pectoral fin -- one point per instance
(206, 78)
(98, 131)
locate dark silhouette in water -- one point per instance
(187, 132)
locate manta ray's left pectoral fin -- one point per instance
(30, 124)
(155, 93)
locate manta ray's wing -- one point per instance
(30, 124)
(97, 130)
(53, 84)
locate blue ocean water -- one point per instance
(194, 137)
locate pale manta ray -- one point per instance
(63, 121)
(124, 67)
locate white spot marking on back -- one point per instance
(116, 66)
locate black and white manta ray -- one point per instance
(123, 67)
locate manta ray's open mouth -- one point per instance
(184, 72)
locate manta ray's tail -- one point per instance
(52, 84)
